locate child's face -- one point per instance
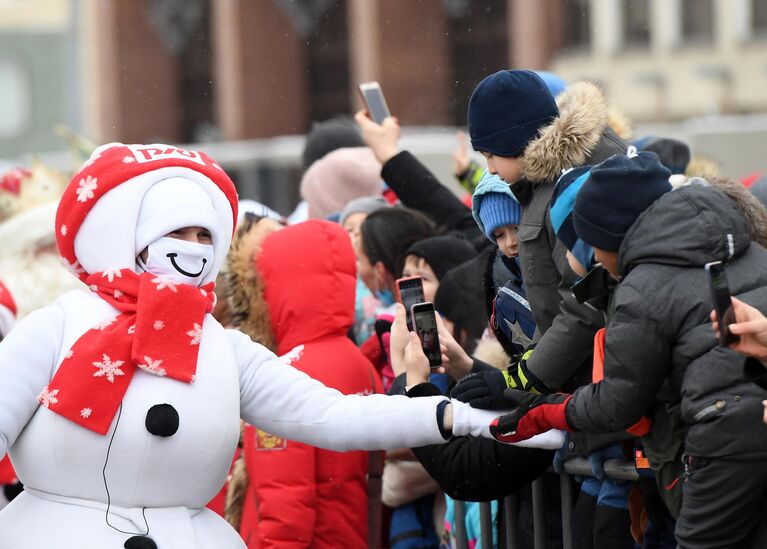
(417, 266)
(506, 238)
(352, 225)
(609, 261)
(508, 168)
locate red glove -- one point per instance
(534, 414)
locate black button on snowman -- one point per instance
(140, 542)
(162, 420)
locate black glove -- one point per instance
(484, 389)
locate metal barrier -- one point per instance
(614, 469)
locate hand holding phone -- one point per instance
(720, 295)
(425, 326)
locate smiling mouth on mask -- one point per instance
(172, 257)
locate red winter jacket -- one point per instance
(299, 495)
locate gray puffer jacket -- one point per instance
(659, 335)
(579, 135)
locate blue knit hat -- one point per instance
(555, 84)
(615, 194)
(506, 111)
(493, 205)
(561, 214)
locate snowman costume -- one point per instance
(120, 407)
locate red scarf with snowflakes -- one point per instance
(158, 330)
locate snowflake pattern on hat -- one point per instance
(85, 189)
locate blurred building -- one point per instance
(210, 71)
(669, 59)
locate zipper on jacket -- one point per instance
(717, 406)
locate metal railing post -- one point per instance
(460, 525)
(539, 515)
(510, 515)
(566, 493)
(486, 524)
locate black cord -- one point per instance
(109, 498)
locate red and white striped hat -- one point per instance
(98, 214)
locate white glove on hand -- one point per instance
(476, 423)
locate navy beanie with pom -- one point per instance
(615, 194)
(506, 111)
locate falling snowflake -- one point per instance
(63, 230)
(195, 333)
(293, 355)
(152, 366)
(110, 274)
(159, 325)
(104, 323)
(108, 368)
(132, 329)
(128, 160)
(70, 354)
(118, 294)
(46, 397)
(86, 413)
(162, 283)
(85, 189)
(73, 267)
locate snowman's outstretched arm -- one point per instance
(283, 401)
(28, 357)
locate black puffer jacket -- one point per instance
(419, 188)
(660, 344)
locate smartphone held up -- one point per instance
(720, 295)
(410, 292)
(425, 325)
(374, 101)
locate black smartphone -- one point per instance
(720, 294)
(425, 325)
(374, 99)
(410, 290)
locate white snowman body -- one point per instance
(68, 464)
(84, 490)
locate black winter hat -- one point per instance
(506, 111)
(461, 299)
(442, 253)
(673, 154)
(327, 136)
(617, 191)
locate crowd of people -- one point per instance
(215, 375)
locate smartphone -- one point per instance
(410, 290)
(425, 325)
(720, 294)
(374, 99)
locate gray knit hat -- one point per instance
(366, 204)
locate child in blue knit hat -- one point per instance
(497, 212)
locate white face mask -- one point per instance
(178, 260)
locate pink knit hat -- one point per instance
(338, 178)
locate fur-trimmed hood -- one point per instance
(572, 137)
(293, 285)
(243, 286)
